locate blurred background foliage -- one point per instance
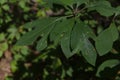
(25, 63)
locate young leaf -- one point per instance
(109, 63)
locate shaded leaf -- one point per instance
(75, 38)
(50, 3)
(39, 23)
(103, 7)
(58, 31)
(80, 42)
(114, 31)
(117, 10)
(31, 36)
(79, 29)
(65, 41)
(109, 63)
(28, 38)
(79, 2)
(42, 44)
(67, 2)
(88, 51)
(70, 2)
(104, 42)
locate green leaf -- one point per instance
(49, 3)
(22, 4)
(69, 71)
(105, 39)
(114, 31)
(70, 2)
(24, 50)
(79, 29)
(40, 29)
(109, 63)
(29, 37)
(2, 36)
(42, 44)
(39, 23)
(104, 42)
(88, 31)
(56, 63)
(58, 31)
(3, 1)
(79, 41)
(6, 7)
(79, 2)
(67, 2)
(65, 41)
(65, 45)
(88, 51)
(1, 54)
(13, 65)
(104, 8)
(75, 38)
(117, 10)
(3, 46)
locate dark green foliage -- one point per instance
(72, 33)
(79, 43)
(62, 28)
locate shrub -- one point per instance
(86, 32)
